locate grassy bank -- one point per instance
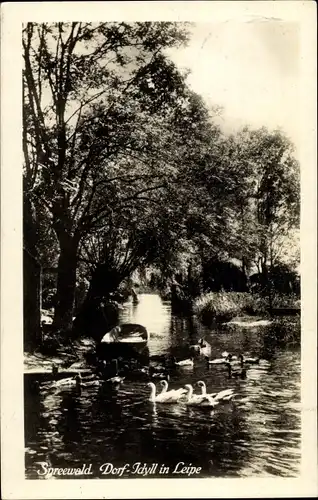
(220, 306)
(224, 306)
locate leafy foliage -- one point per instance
(125, 168)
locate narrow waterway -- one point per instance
(256, 435)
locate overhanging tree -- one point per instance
(86, 89)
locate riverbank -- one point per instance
(98, 424)
(223, 307)
(226, 310)
(79, 356)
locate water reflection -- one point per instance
(256, 435)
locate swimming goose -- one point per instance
(202, 400)
(115, 380)
(69, 382)
(184, 362)
(197, 347)
(217, 361)
(164, 385)
(91, 383)
(230, 356)
(225, 395)
(227, 355)
(249, 360)
(237, 372)
(88, 382)
(161, 398)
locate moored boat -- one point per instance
(127, 333)
(123, 340)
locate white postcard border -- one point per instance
(14, 486)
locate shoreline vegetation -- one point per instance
(228, 310)
(81, 354)
(225, 306)
(130, 181)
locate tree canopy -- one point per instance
(125, 167)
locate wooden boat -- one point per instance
(128, 333)
(123, 340)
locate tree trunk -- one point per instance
(267, 286)
(31, 279)
(97, 314)
(31, 301)
(245, 282)
(66, 282)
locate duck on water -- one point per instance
(241, 360)
(226, 356)
(184, 362)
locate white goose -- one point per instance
(177, 392)
(197, 347)
(199, 400)
(77, 381)
(91, 383)
(115, 380)
(225, 395)
(229, 356)
(184, 362)
(217, 361)
(68, 382)
(163, 397)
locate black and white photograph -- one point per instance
(161, 246)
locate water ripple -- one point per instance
(256, 435)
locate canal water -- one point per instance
(256, 435)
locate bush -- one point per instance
(224, 306)
(221, 306)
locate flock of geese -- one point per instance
(237, 366)
(87, 381)
(185, 395)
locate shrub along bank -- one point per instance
(224, 306)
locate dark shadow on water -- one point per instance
(258, 434)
